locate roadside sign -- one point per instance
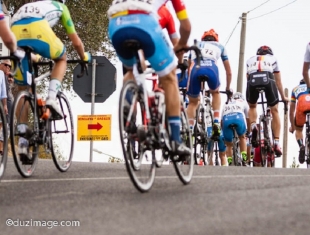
(105, 80)
(94, 127)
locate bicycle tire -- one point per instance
(24, 167)
(199, 135)
(236, 152)
(4, 135)
(307, 150)
(185, 169)
(141, 175)
(62, 148)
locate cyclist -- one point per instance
(300, 96)
(211, 51)
(32, 25)
(263, 71)
(135, 20)
(235, 113)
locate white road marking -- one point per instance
(157, 177)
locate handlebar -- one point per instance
(84, 67)
(228, 94)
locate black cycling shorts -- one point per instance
(262, 81)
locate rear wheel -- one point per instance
(23, 103)
(4, 140)
(200, 138)
(307, 150)
(62, 136)
(263, 152)
(236, 152)
(139, 161)
(185, 168)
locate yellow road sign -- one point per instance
(94, 127)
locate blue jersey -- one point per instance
(211, 50)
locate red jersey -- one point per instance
(166, 21)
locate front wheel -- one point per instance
(185, 168)
(62, 135)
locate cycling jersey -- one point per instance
(166, 21)
(126, 7)
(307, 54)
(298, 91)
(234, 113)
(211, 50)
(301, 94)
(260, 63)
(51, 11)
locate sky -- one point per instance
(282, 25)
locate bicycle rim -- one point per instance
(24, 166)
(262, 151)
(198, 135)
(185, 168)
(140, 164)
(307, 151)
(4, 140)
(61, 137)
(236, 152)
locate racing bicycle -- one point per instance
(46, 133)
(144, 127)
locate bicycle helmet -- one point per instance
(264, 50)
(210, 35)
(237, 96)
(302, 81)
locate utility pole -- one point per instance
(241, 53)
(285, 131)
(93, 94)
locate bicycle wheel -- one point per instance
(24, 105)
(139, 161)
(262, 143)
(236, 152)
(307, 150)
(199, 136)
(185, 168)
(61, 133)
(4, 140)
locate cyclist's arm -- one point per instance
(305, 73)
(279, 85)
(228, 73)
(73, 36)
(7, 36)
(292, 112)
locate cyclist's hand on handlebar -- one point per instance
(19, 54)
(179, 53)
(229, 92)
(292, 129)
(183, 66)
(87, 57)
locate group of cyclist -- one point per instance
(143, 21)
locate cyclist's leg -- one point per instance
(194, 86)
(272, 97)
(222, 150)
(228, 137)
(300, 119)
(252, 97)
(241, 130)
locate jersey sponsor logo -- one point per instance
(307, 98)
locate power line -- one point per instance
(273, 10)
(258, 6)
(232, 33)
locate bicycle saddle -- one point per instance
(132, 44)
(203, 78)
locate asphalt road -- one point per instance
(99, 198)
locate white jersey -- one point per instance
(211, 50)
(234, 107)
(43, 9)
(307, 54)
(260, 63)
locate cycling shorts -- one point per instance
(267, 83)
(145, 29)
(37, 34)
(221, 144)
(303, 105)
(233, 119)
(208, 68)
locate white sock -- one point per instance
(54, 87)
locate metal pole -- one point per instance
(93, 84)
(241, 53)
(285, 132)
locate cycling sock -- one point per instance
(253, 125)
(175, 123)
(216, 114)
(244, 155)
(54, 87)
(299, 141)
(276, 141)
(191, 122)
